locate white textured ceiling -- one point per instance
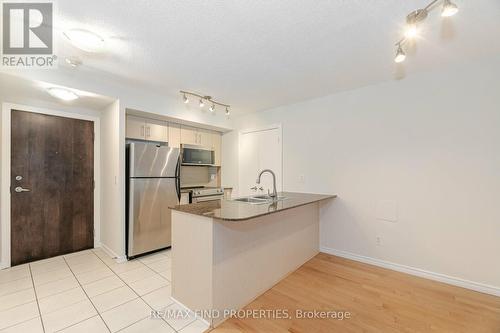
(258, 54)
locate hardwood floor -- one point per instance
(378, 299)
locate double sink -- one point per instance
(259, 199)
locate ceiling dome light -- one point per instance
(212, 108)
(202, 104)
(400, 55)
(85, 40)
(449, 9)
(186, 99)
(62, 93)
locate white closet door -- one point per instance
(260, 150)
(249, 162)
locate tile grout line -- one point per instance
(93, 305)
(36, 298)
(139, 296)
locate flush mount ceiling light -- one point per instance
(204, 98)
(85, 40)
(62, 94)
(417, 16)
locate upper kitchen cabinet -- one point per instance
(156, 130)
(217, 147)
(146, 129)
(196, 136)
(174, 135)
(205, 138)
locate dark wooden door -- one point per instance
(53, 158)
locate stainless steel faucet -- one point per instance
(274, 194)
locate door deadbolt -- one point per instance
(18, 178)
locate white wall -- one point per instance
(113, 180)
(426, 149)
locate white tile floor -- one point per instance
(89, 292)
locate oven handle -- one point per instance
(208, 198)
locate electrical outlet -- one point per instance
(378, 241)
(301, 179)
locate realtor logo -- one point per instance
(27, 34)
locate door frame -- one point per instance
(279, 127)
(5, 177)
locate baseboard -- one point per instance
(112, 254)
(188, 309)
(480, 287)
(3, 266)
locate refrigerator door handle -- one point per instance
(178, 188)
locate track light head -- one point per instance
(400, 55)
(186, 99)
(202, 103)
(212, 108)
(227, 111)
(449, 9)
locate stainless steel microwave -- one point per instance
(196, 155)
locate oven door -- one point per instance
(197, 156)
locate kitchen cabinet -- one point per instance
(196, 136)
(174, 135)
(135, 128)
(217, 147)
(189, 135)
(156, 130)
(146, 129)
(205, 138)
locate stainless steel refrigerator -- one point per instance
(153, 185)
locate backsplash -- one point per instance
(199, 176)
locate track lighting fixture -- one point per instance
(449, 9)
(419, 15)
(204, 98)
(400, 55)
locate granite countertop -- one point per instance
(238, 211)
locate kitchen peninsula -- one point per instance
(226, 253)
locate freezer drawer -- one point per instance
(149, 219)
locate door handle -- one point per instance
(19, 189)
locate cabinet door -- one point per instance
(217, 147)
(135, 128)
(189, 135)
(156, 130)
(205, 138)
(174, 135)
